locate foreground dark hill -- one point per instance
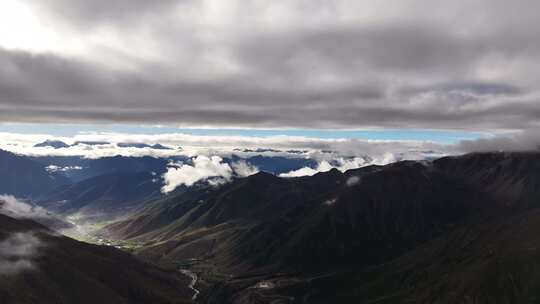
(37, 266)
(438, 232)
(495, 262)
(492, 262)
(23, 177)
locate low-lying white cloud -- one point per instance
(203, 168)
(16, 208)
(11, 206)
(53, 168)
(352, 181)
(306, 171)
(242, 168)
(330, 202)
(343, 164)
(17, 252)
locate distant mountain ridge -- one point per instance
(23, 177)
(106, 165)
(58, 144)
(112, 185)
(104, 196)
(143, 145)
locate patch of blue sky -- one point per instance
(438, 136)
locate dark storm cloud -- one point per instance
(41, 88)
(463, 65)
(394, 47)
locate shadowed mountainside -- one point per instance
(318, 229)
(311, 223)
(57, 269)
(104, 196)
(23, 177)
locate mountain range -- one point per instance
(400, 227)
(58, 144)
(459, 229)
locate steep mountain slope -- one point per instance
(512, 179)
(37, 266)
(311, 223)
(494, 262)
(206, 206)
(105, 196)
(387, 213)
(24, 177)
(109, 186)
(497, 261)
(157, 214)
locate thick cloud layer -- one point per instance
(319, 64)
(192, 145)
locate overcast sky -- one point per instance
(465, 65)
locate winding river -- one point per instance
(194, 279)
